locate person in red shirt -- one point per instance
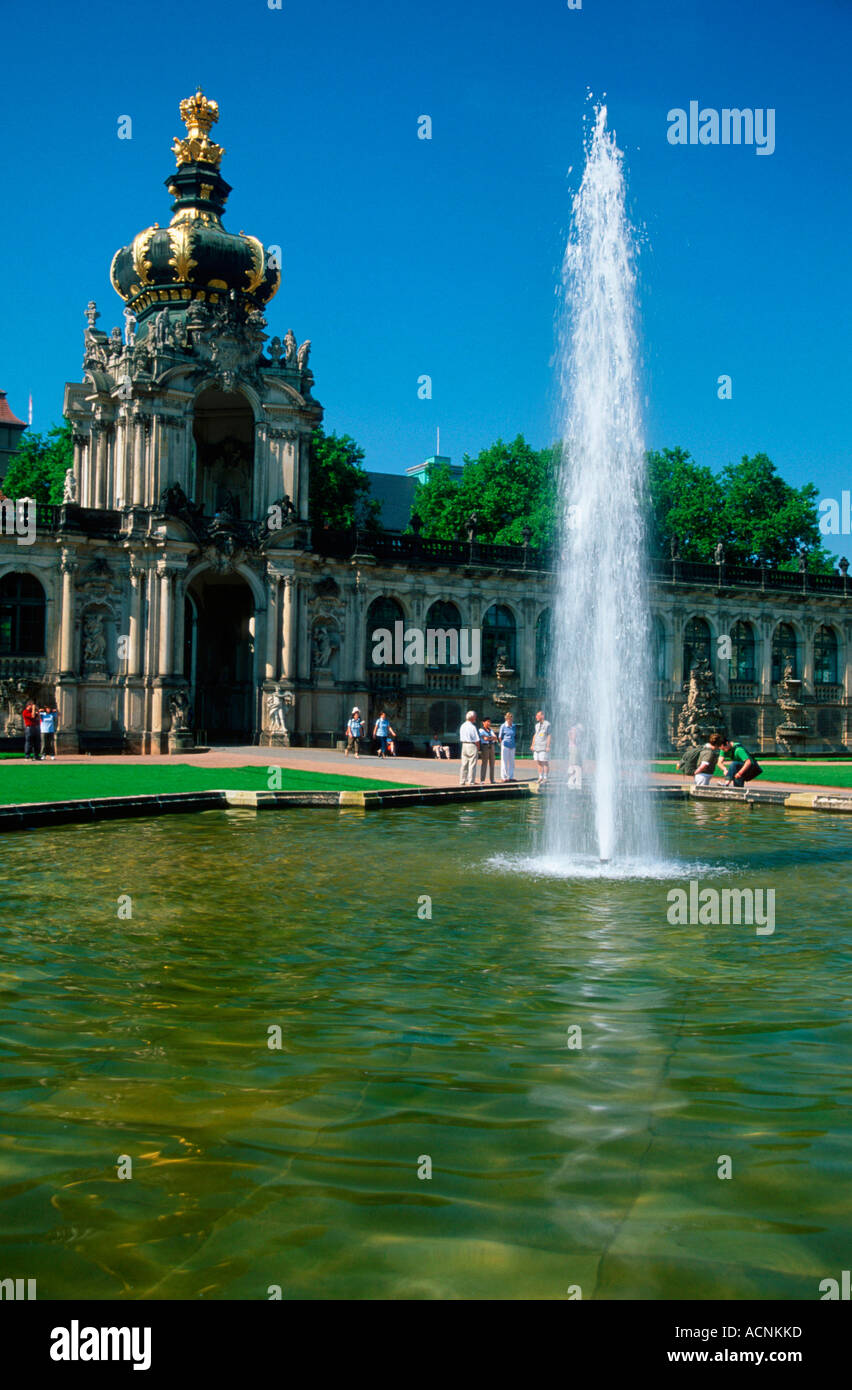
(32, 735)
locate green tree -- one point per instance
(508, 486)
(748, 507)
(766, 516)
(37, 468)
(339, 486)
(686, 504)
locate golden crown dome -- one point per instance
(195, 257)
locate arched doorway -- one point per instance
(219, 656)
(223, 428)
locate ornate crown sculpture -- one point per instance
(198, 115)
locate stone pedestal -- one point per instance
(181, 740)
(276, 739)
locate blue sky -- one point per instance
(405, 257)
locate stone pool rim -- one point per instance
(34, 814)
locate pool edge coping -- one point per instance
(34, 814)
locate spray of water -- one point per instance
(600, 629)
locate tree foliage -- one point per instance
(339, 486)
(508, 486)
(748, 507)
(38, 466)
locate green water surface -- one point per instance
(406, 1037)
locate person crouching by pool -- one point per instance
(487, 740)
(382, 732)
(354, 732)
(540, 747)
(469, 740)
(741, 766)
(707, 760)
(507, 735)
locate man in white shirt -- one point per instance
(469, 739)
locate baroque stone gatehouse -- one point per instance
(178, 595)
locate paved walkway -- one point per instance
(420, 772)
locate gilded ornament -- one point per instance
(139, 251)
(256, 269)
(181, 257)
(112, 276)
(198, 115)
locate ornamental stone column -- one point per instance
(359, 638)
(807, 671)
(273, 641)
(99, 444)
(723, 664)
(137, 574)
(82, 466)
(767, 628)
(289, 655)
(66, 632)
(136, 483)
(164, 663)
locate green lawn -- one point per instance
(21, 782)
(810, 774)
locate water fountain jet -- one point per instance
(600, 657)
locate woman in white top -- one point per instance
(540, 747)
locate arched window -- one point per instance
(382, 613)
(661, 672)
(443, 618)
(744, 721)
(784, 648)
(498, 636)
(742, 652)
(22, 616)
(825, 657)
(696, 645)
(829, 722)
(542, 643)
(445, 717)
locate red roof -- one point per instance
(6, 416)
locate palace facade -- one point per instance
(178, 595)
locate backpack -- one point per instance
(690, 760)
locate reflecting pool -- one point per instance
(407, 1038)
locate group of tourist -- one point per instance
(40, 725)
(383, 734)
(734, 761)
(479, 744)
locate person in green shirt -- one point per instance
(741, 766)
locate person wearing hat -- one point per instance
(354, 732)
